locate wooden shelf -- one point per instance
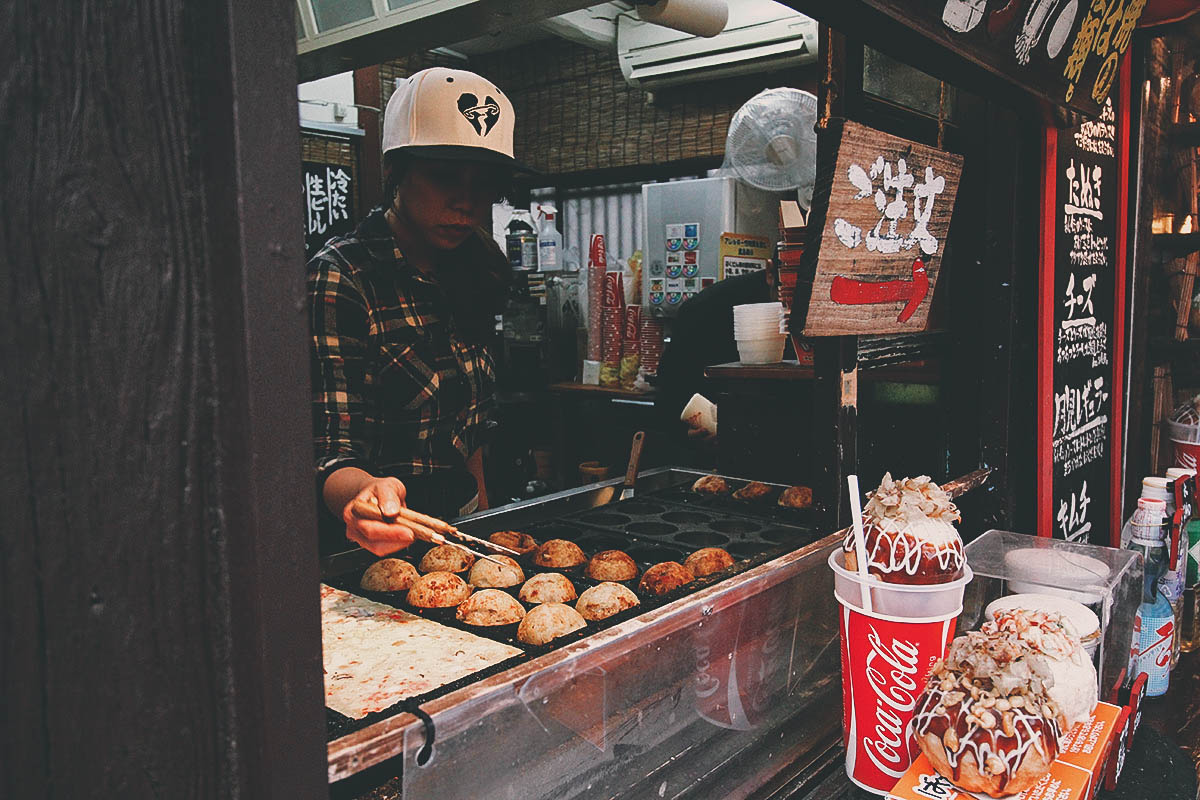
(782, 371)
(570, 387)
(792, 371)
(1178, 242)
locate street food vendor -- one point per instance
(401, 311)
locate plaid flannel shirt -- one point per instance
(395, 390)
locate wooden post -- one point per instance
(1164, 400)
(835, 358)
(368, 92)
(158, 562)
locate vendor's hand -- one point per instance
(702, 435)
(381, 538)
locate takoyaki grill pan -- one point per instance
(667, 525)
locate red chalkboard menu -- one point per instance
(1082, 301)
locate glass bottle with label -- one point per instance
(1154, 627)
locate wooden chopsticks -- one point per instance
(426, 528)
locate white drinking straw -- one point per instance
(860, 540)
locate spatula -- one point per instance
(635, 458)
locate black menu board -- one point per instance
(328, 204)
(1084, 303)
(1065, 51)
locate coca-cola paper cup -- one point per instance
(909, 601)
(614, 291)
(886, 660)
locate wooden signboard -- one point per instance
(328, 204)
(883, 213)
(1063, 51)
(1082, 299)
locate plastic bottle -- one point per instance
(1154, 488)
(1171, 583)
(549, 240)
(1154, 627)
(521, 242)
(1191, 596)
(1188, 635)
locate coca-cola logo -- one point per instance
(707, 684)
(598, 255)
(894, 685)
(765, 666)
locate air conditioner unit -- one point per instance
(759, 37)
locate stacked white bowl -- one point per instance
(760, 330)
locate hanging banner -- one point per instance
(1064, 51)
(884, 212)
(328, 204)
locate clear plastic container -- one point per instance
(708, 680)
(1105, 579)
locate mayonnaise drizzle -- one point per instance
(1031, 729)
(907, 522)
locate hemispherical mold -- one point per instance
(782, 535)
(740, 550)
(606, 519)
(685, 517)
(734, 526)
(650, 528)
(654, 554)
(638, 507)
(701, 539)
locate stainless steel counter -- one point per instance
(719, 689)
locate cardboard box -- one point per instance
(1076, 774)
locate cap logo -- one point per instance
(482, 116)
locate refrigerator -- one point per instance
(682, 229)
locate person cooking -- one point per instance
(702, 335)
(400, 313)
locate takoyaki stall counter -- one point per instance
(721, 687)
(707, 689)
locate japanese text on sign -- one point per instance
(1072, 516)
(325, 199)
(884, 206)
(1105, 33)
(893, 208)
(1080, 426)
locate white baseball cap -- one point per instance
(451, 114)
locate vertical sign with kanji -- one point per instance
(328, 204)
(1081, 346)
(883, 214)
